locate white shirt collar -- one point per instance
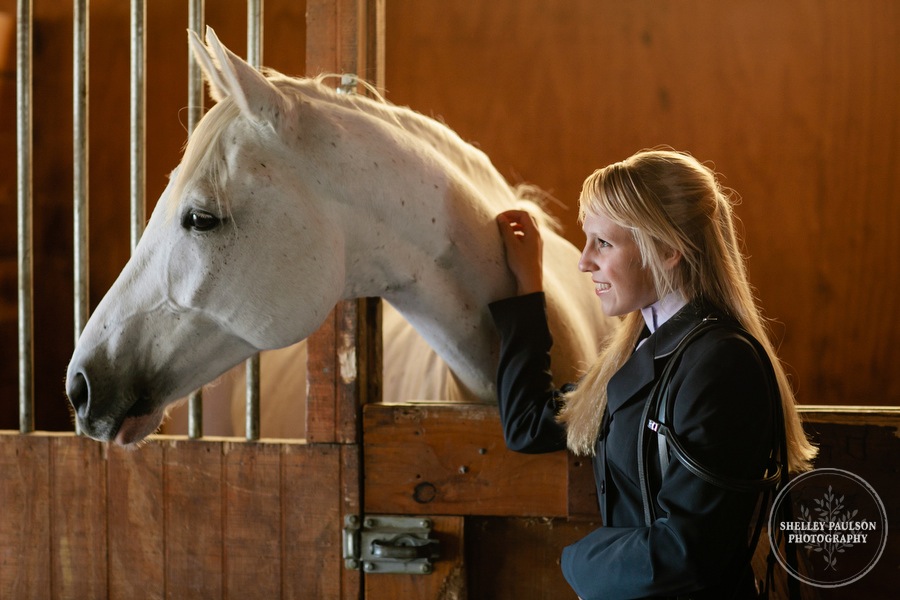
(662, 310)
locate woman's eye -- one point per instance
(602, 243)
(199, 220)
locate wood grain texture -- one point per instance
(253, 520)
(175, 518)
(78, 518)
(136, 517)
(25, 521)
(793, 102)
(312, 520)
(451, 459)
(194, 497)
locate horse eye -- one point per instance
(199, 220)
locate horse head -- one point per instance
(226, 266)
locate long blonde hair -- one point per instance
(669, 200)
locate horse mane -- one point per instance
(203, 152)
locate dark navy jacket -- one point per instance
(721, 414)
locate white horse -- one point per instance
(288, 199)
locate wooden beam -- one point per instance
(344, 366)
(451, 459)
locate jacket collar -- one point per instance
(641, 369)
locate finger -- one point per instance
(519, 221)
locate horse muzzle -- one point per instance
(120, 421)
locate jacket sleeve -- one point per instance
(527, 398)
(722, 416)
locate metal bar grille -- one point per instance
(254, 57)
(24, 214)
(138, 120)
(196, 18)
(80, 166)
(80, 183)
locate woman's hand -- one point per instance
(524, 249)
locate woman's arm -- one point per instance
(527, 397)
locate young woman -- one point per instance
(662, 252)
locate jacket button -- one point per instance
(602, 486)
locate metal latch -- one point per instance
(387, 544)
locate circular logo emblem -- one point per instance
(835, 521)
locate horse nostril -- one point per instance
(78, 392)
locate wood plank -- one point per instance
(350, 504)
(78, 550)
(25, 521)
(136, 522)
(194, 515)
(448, 580)
(253, 505)
(332, 36)
(343, 371)
(321, 409)
(451, 459)
(311, 521)
(518, 559)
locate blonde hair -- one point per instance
(669, 200)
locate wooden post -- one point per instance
(344, 357)
(344, 365)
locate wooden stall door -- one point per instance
(501, 518)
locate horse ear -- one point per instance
(229, 75)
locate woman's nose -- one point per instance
(585, 265)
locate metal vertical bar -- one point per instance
(80, 164)
(24, 206)
(196, 17)
(138, 120)
(254, 57)
(196, 23)
(254, 32)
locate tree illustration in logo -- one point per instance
(831, 513)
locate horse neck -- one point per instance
(421, 233)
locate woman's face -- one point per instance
(613, 259)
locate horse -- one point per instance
(289, 198)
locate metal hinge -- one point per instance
(388, 544)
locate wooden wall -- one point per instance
(795, 103)
(176, 519)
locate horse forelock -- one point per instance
(203, 156)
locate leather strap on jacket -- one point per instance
(668, 443)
